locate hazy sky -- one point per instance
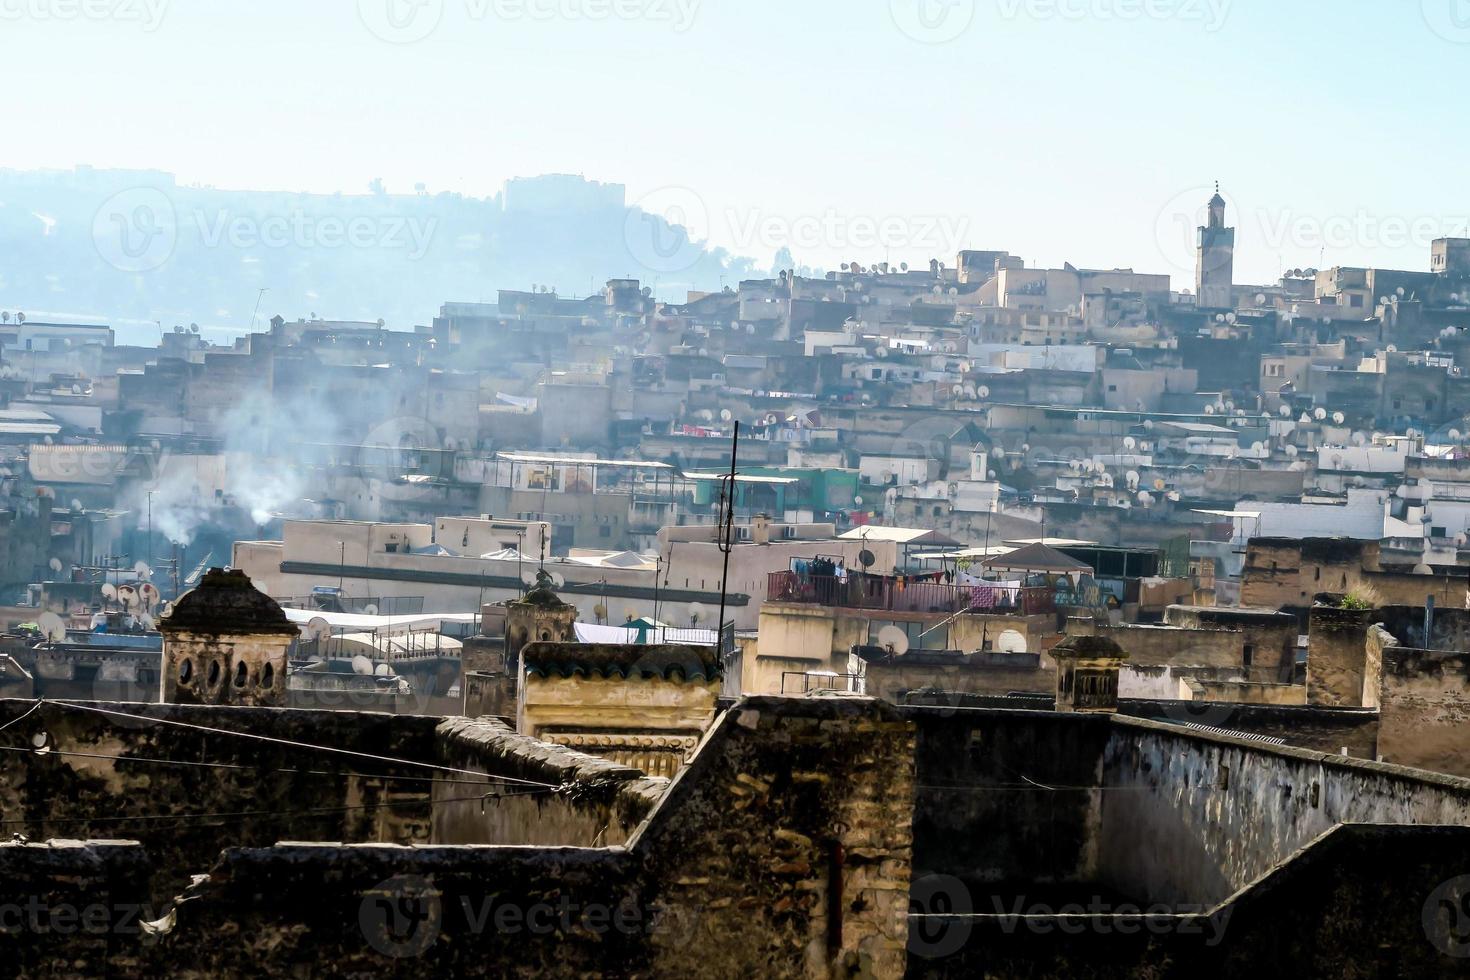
(1062, 130)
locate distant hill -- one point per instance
(135, 247)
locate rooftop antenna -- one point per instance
(258, 297)
(726, 535)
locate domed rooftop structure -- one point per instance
(226, 602)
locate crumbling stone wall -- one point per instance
(1425, 710)
(783, 849)
(185, 794)
(73, 908)
(603, 804)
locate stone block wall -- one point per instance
(609, 802)
(1425, 710)
(186, 794)
(783, 849)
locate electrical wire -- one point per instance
(293, 744)
(231, 765)
(28, 713)
(386, 804)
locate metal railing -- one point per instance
(882, 593)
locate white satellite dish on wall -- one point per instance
(1010, 641)
(893, 639)
(51, 627)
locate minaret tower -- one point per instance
(1214, 274)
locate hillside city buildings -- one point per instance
(968, 618)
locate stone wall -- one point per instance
(893, 678)
(981, 813)
(1360, 901)
(73, 908)
(1329, 730)
(783, 849)
(609, 802)
(185, 793)
(1338, 674)
(1425, 710)
(1188, 818)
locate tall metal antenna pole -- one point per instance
(726, 533)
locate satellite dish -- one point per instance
(1010, 641)
(142, 570)
(148, 593)
(371, 609)
(983, 391)
(866, 558)
(51, 626)
(558, 579)
(109, 591)
(55, 564)
(1320, 414)
(726, 415)
(362, 665)
(1292, 451)
(1286, 411)
(318, 628)
(127, 595)
(382, 670)
(895, 640)
(1130, 443)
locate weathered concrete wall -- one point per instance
(185, 793)
(609, 800)
(1362, 902)
(1425, 710)
(1192, 818)
(1329, 730)
(893, 679)
(981, 813)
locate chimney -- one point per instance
(760, 529)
